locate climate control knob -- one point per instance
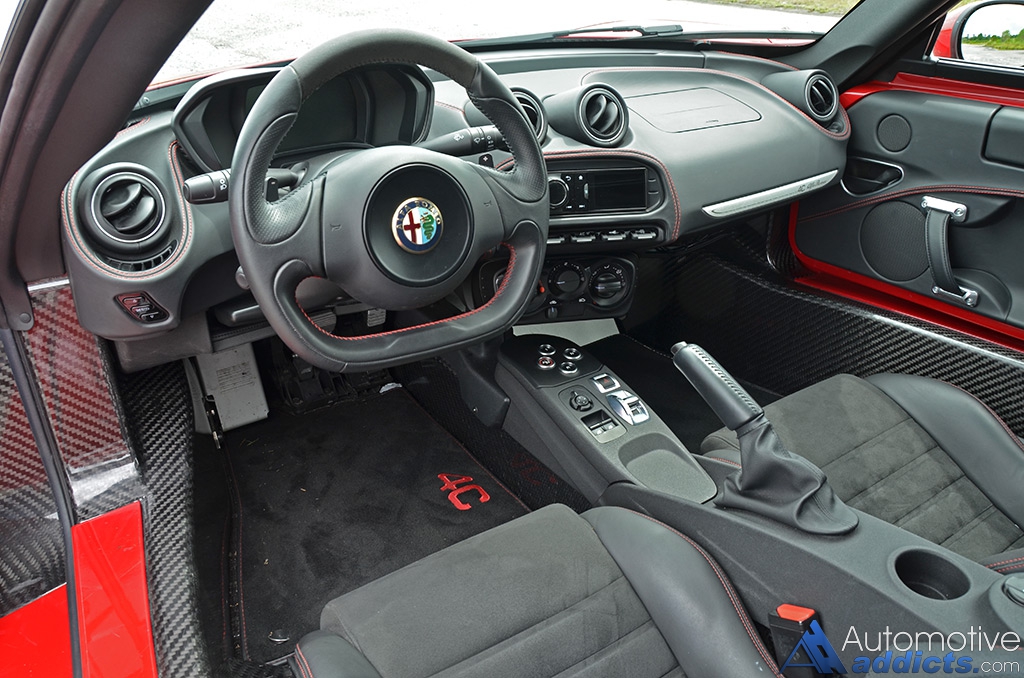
(608, 284)
(567, 279)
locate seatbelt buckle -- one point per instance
(801, 648)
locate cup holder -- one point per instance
(929, 574)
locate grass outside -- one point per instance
(1006, 41)
(834, 7)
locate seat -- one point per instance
(915, 452)
(606, 593)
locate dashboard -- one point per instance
(643, 149)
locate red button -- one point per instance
(795, 613)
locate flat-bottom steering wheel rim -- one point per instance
(274, 241)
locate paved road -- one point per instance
(987, 55)
(251, 31)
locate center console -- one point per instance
(872, 581)
(584, 421)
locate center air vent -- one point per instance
(124, 215)
(822, 97)
(595, 115)
(534, 112)
(603, 115)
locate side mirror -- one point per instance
(988, 32)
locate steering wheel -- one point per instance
(396, 227)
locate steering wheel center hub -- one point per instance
(418, 226)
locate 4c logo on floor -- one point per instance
(457, 485)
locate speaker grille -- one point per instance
(894, 133)
(892, 239)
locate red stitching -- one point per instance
(224, 607)
(241, 574)
(743, 57)
(724, 461)
(303, 662)
(71, 226)
(729, 591)
(133, 126)
(460, 111)
(587, 153)
(1009, 431)
(1009, 568)
(984, 190)
(1004, 562)
(840, 137)
(498, 293)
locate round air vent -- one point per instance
(594, 115)
(124, 215)
(534, 112)
(822, 97)
(812, 91)
(603, 116)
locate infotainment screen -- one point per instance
(618, 189)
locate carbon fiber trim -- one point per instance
(31, 548)
(158, 410)
(110, 465)
(783, 338)
(72, 374)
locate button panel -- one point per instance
(569, 369)
(596, 238)
(545, 360)
(629, 407)
(570, 288)
(606, 383)
(141, 307)
(580, 401)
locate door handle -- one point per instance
(938, 213)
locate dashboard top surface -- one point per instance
(682, 134)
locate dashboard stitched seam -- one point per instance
(902, 193)
(583, 153)
(453, 107)
(71, 226)
(839, 137)
(498, 293)
(757, 58)
(134, 126)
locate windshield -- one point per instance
(244, 32)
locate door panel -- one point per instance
(871, 231)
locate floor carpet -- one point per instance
(332, 499)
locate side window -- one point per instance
(989, 32)
(31, 549)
